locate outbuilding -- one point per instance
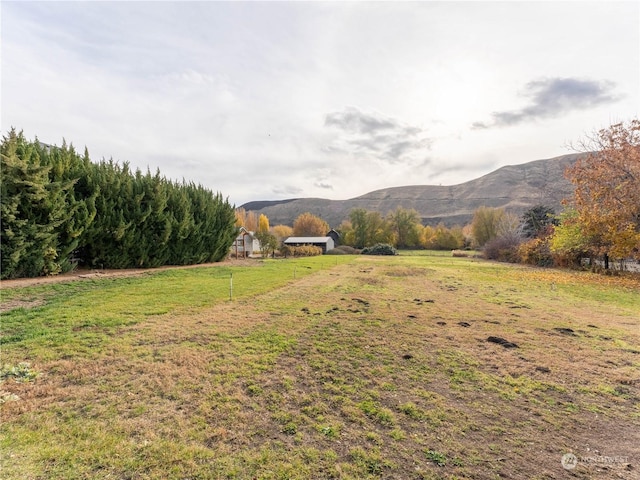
(245, 244)
(325, 243)
(335, 235)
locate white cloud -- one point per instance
(373, 136)
(262, 100)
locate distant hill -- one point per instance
(515, 188)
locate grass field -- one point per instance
(408, 367)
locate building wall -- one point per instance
(244, 245)
(326, 243)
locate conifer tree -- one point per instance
(57, 205)
(71, 170)
(32, 207)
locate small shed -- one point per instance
(245, 244)
(325, 243)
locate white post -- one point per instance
(231, 287)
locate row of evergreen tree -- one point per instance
(60, 209)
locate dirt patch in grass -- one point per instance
(92, 274)
(336, 377)
(10, 304)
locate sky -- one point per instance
(276, 100)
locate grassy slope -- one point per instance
(358, 367)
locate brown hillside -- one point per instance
(514, 188)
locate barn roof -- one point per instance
(307, 239)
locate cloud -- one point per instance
(251, 99)
(323, 185)
(353, 120)
(375, 136)
(287, 190)
(554, 97)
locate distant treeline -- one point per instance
(60, 209)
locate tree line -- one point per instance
(59, 209)
(601, 220)
(401, 228)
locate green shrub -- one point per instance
(380, 249)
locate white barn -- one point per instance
(325, 243)
(245, 244)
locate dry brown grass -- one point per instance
(378, 369)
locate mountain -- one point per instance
(515, 188)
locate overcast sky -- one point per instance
(273, 100)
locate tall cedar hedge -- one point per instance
(60, 209)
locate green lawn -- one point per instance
(325, 367)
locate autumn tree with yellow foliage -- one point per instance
(309, 225)
(607, 191)
(263, 223)
(282, 232)
(248, 220)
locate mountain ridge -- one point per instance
(515, 188)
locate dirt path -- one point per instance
(83, 274)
